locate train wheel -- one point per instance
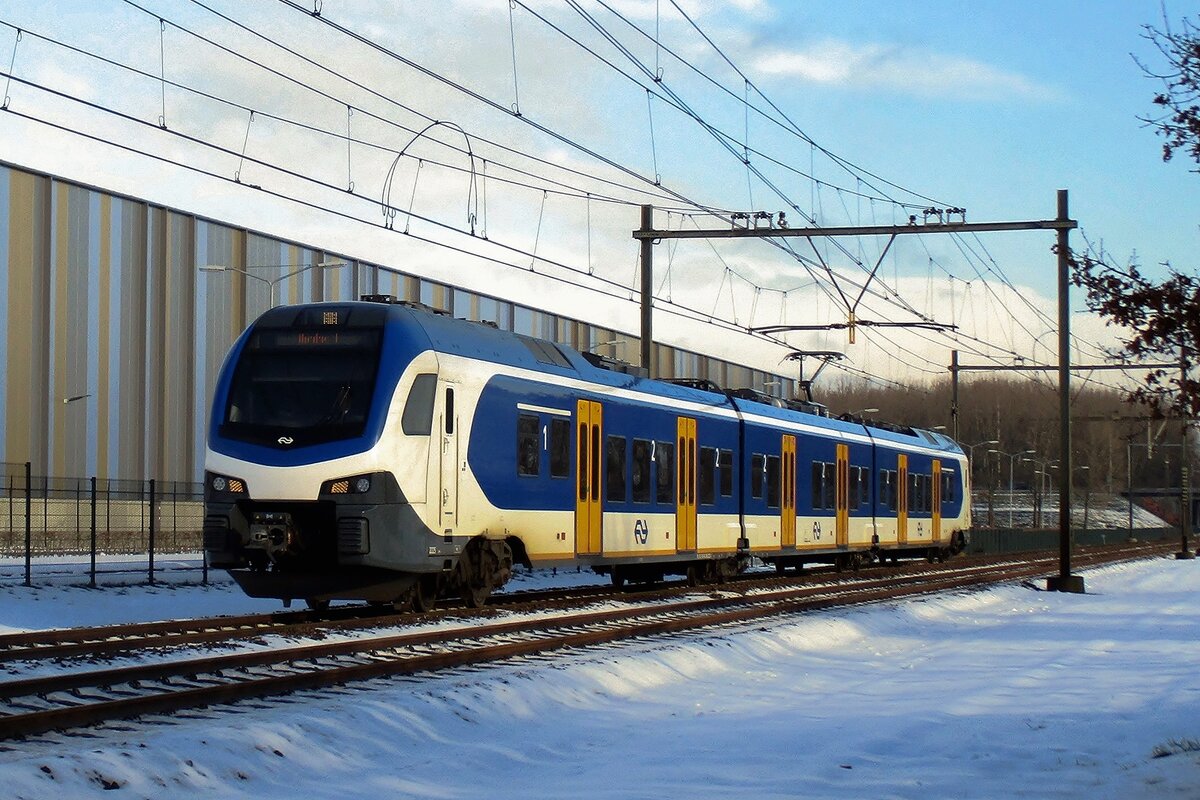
(780, 568)
(930, 555)
(484, 565)
(693, 575)
(618, 577)
(839, 563)
(856, 561)
(424, 595)
(475, 596)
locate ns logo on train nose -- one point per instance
(285, 440)
(641, 531)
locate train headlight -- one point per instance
(223, 484)
(359, 484)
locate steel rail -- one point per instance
(568, 631)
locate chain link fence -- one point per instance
(45, 517)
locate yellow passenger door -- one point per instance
(842, 525)
(787, 493)
(685, 499)
(588, 519)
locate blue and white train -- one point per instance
(384, 452)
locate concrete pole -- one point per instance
(954, 394)
(647, 292)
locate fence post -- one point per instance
(28, 523)
(203, 549)
(92, 582)
(152, 517)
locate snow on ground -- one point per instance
(1005, 692)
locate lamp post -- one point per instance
(1041, 486)
(971, 453)
(1012, 459)
(271, 282)
(1087, 493)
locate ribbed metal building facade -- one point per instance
(105, 302)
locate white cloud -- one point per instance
(897, 67)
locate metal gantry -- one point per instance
(647, 235)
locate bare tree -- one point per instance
(1163, 317)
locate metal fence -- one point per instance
(1021, 540)
(43, 516)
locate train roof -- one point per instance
(486, 342)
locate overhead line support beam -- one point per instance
(854, 230)
(1062, 224)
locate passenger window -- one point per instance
(527, 445)
(818, 484)
(664, 460)
(581, 477)
(829, 487)
(641, 471)
(708, 476)
(757, 467)
(614, 475)
(449, 411)
(772, 481)
(560, 448)
(725, 466)
(418, 408)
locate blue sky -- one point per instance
(1018, 100)
(989, 105)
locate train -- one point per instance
(382, 451)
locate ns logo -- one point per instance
(641, 531)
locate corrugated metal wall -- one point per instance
(104, 300)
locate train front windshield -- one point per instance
(301, 386)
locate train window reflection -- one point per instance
(664, 458)
(418, 409)
(527, 444)
(725, 465)
(708, 476)
(310, 385)
(614, 475)
(772, 481)
(641, 471)
(560, 448)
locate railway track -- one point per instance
(36, 705)
(113, 640)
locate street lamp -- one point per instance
(1087, 495)
(271, 282)
(1012, 459)
(971, 452)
